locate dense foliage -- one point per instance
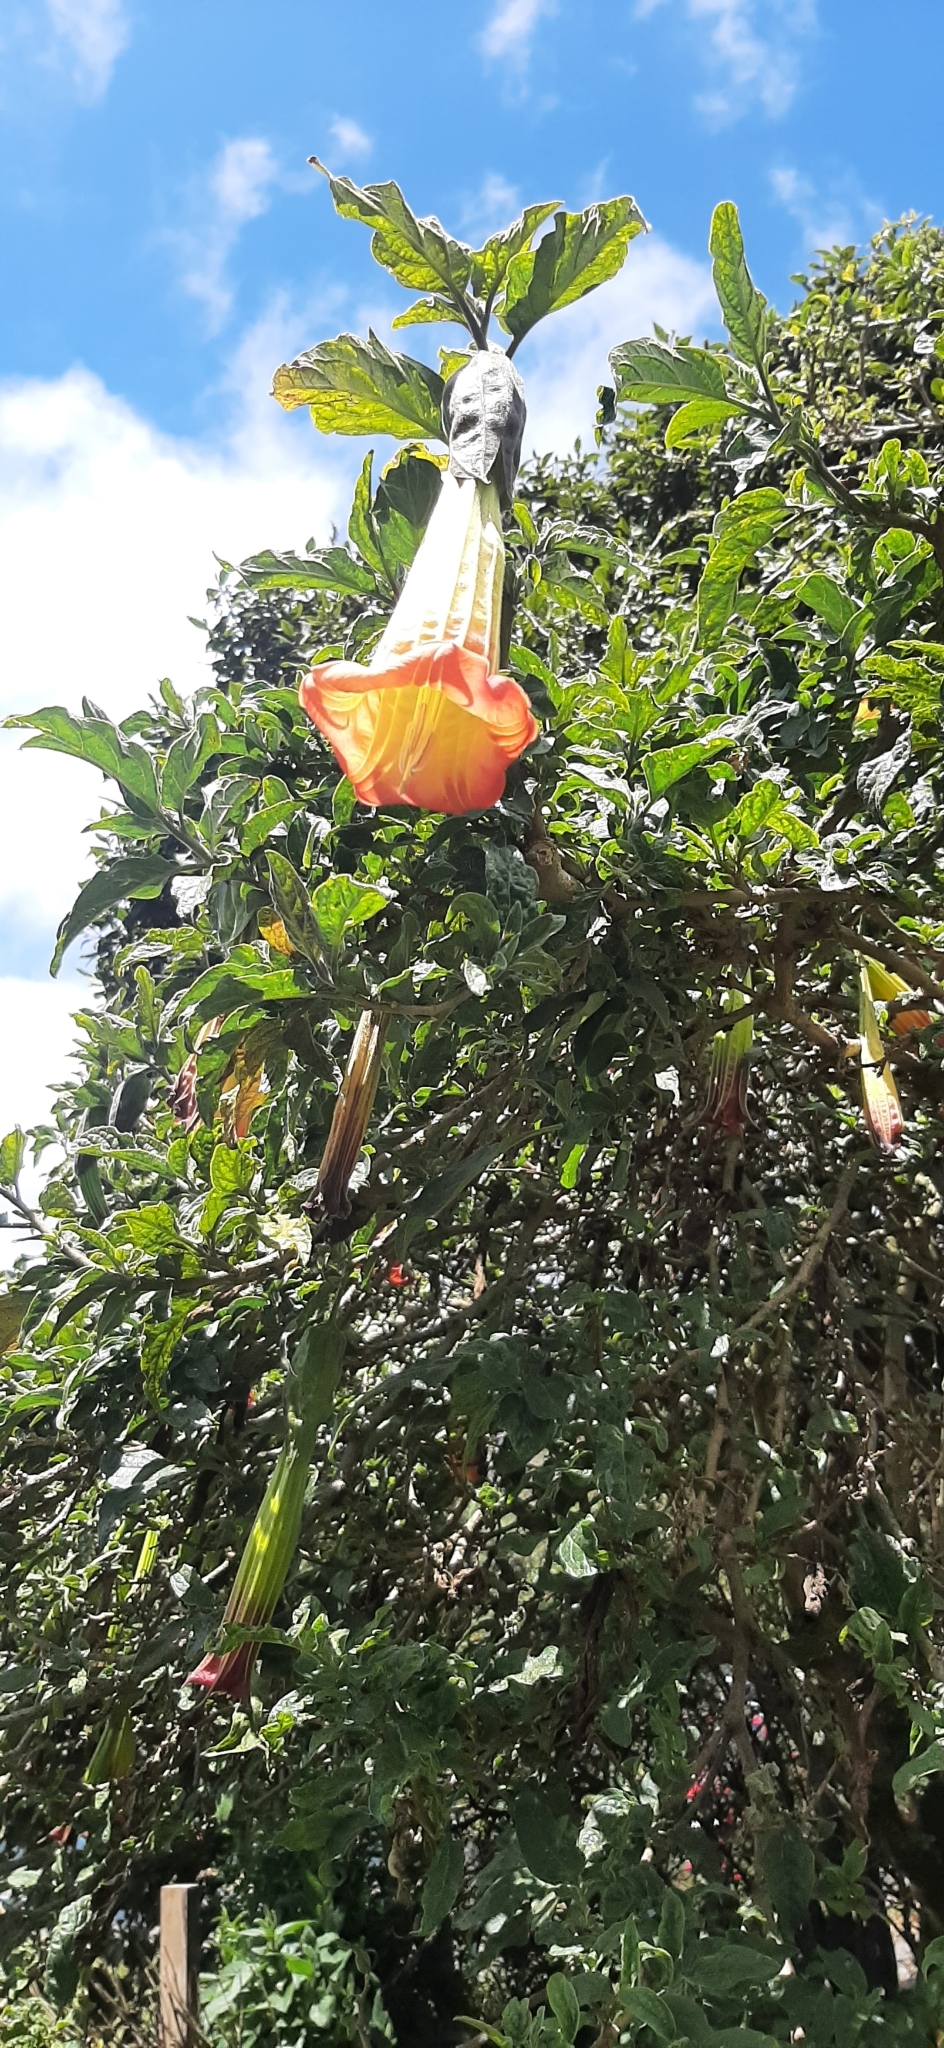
(605, 1701)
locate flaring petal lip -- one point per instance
(432, 728)
(228, 1672)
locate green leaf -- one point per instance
(417, 252)
(927, 1765)
(831, 604)
(717, 1967)
(789, 1874)
(159, 1346)
(755, 809)
(545, 1838)
(581, 251)
(328, 569)
(360, 387)
(444, 1191)
(429, 313)
(741, 529)
(442, 1884)
(186, 760)
(136, 875)
(62, 1964)
(98, 742)
(361, 530)
(669, 764)
(743, 307)
(653, 373)
(12, 1154)
(649, 2009)
(231, 1169)
(407, 491)
(691, 419)
(291, 900)
(340, 903)
(564, 2004)
(491, 263)
(577, 1552)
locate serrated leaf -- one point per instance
(741, 529)
(136, 875)
(491, 263)
(328, 569)
(654, 373)
(159, 1346)
(417, 252)
(340, 903)
(432, 312)
(353, 386)
(186, 760)
(407, 491)
(669, 764)
(743, 307)
(98, 742)
(581, 251)
(291, 901)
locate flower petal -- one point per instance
(433, 728)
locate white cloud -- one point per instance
(94, 32)
(492, 207)
(840, 215)
(236, 190)
(566, 360)
(107, 533)
(752, 64)
(510, 27)
(350, 137)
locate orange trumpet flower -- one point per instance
(432, 722)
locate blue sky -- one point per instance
(165, 246)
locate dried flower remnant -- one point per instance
(432, 722)
(182, 1093)
(880, 1098)
(352, 1113)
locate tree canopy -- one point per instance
(603, 1700)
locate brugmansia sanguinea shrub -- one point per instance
(584, 1466)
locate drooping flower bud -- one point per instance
(726, 1107)
(880, 1098)
(269, 1551)
(113, 1755)
(272, 1540)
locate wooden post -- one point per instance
(180, 1956)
